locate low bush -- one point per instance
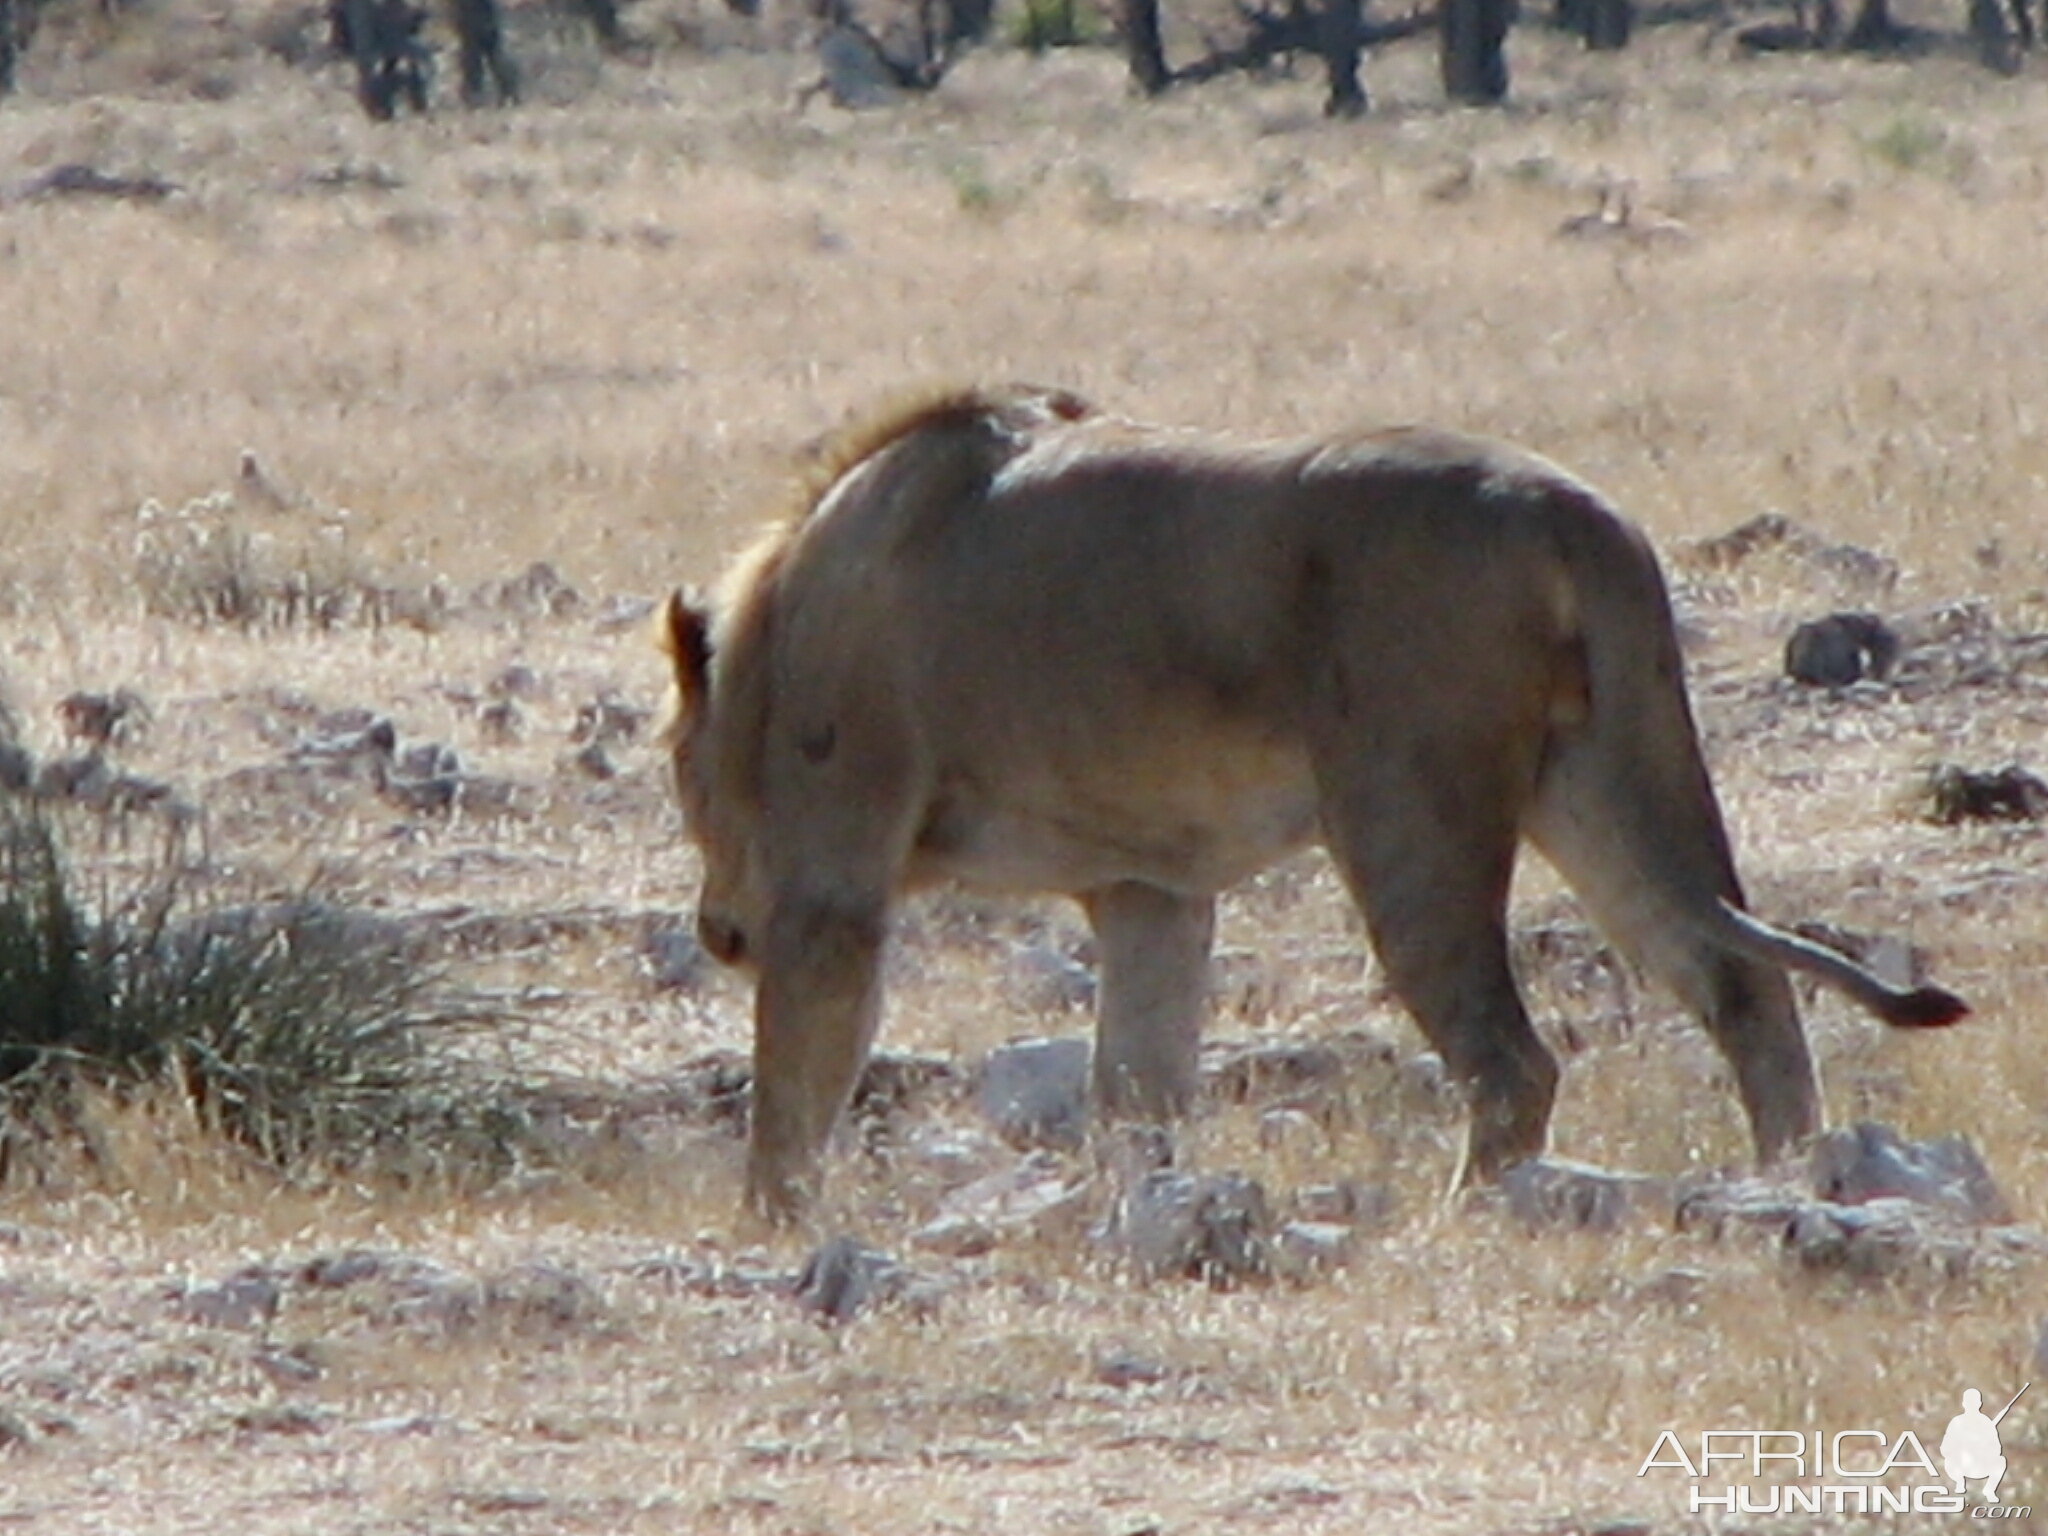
(309, 1032)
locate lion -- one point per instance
(1016, 642)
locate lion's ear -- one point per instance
(686, 636)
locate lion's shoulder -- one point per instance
(1014, 413)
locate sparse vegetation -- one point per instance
(1037, 25)
(1910, 143)
(309, 1033)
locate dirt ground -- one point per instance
(602, 331)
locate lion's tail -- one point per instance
(1906, 1007)
(1626, 812)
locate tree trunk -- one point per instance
(488, 73)
(1337, 31)
(1609, 24)
(10, 45)
(1874, 30)
(1475, 71)
(1147, 52)
(603, 16)
(1995, 47)
(361, 28)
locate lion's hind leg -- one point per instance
(1645, 851)
(1427, 850)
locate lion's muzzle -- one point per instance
(724, 940)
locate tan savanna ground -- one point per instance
(596, 331)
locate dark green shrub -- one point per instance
(307, 1031)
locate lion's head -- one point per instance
(710, 752)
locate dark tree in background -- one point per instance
(1604, 25)
(603, 16)
(1475, 70)
(392, 63)
(1341, 35)
(1140, 21)
(16, 17)
(488, 73)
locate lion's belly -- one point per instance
(1202, 825)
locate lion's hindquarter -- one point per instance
(1627, 814)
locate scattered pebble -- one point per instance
(2006, 794)
(842, 1276)
(1841, 649)
(1305, 1248)
(1854, 1165)
(1212, 1227)
(1035, 1092)
(1553, 1192)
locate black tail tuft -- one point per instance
(1925, 1008)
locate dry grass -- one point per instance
(592, 331)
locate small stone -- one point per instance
(1857, 1164)
(348, 735)
(1121, 1368)
(518, 681)
(609, 720)
(956, 1237)
(1678, 1286)
(1325, 1202)
(1035, 1092)
(429, 760)
(1213, 1227)
(502, 723)
(87, 780)
(1291, 1130)
(1841, 649)
(1553, 1192)
(1033, 1197)
(1126, 1153)
(294, 1367)
(104, 719)
(426, 796)
(542, 1297)
(1046, 980)
(1424, 1076)
(17, 766)
(594, 762)
(620, 612)
(951, 1157)
(672, 957)
(244, 1300)
(853, 72)
(1875, 1241)
(841, 1277)
(1957, 795)
(282, 1419)
(1242, 1074)
(364, 1266)
(1304, 1248)
(538, 592)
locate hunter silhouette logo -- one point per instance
(1971, 1447)
(1862, 1471)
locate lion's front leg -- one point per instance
(1153, 998)
(814, 1021)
